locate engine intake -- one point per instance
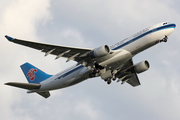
(100, 51)
(142, 66)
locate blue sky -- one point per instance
(90, 24)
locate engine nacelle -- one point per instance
(142, 66)
(100, 51)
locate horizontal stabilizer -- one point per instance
(28, 86)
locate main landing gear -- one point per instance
(95, 73)
(97, 70)
(109, 80)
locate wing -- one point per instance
(71, 53)
(128, 75)
(134, 80)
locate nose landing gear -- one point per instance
(164, 39)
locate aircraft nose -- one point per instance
(170, 29)
(173, 26)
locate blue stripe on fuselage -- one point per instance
(69, 72)
(144, 34)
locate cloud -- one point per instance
(18, 18)
(89, 24)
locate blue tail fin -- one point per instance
(33, 74)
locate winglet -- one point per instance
(9, 38)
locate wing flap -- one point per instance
(128, 75)
(134, 80)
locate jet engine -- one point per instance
(142, 66)
(100, 51)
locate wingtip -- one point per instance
(9, 38)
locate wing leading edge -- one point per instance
(71, 53)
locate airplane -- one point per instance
(109, 62)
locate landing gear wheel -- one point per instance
(113, 78)
(109, 82)
(165, 40)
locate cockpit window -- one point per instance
(165, 23)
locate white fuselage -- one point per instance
(122, 52)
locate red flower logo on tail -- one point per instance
(31, 74)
